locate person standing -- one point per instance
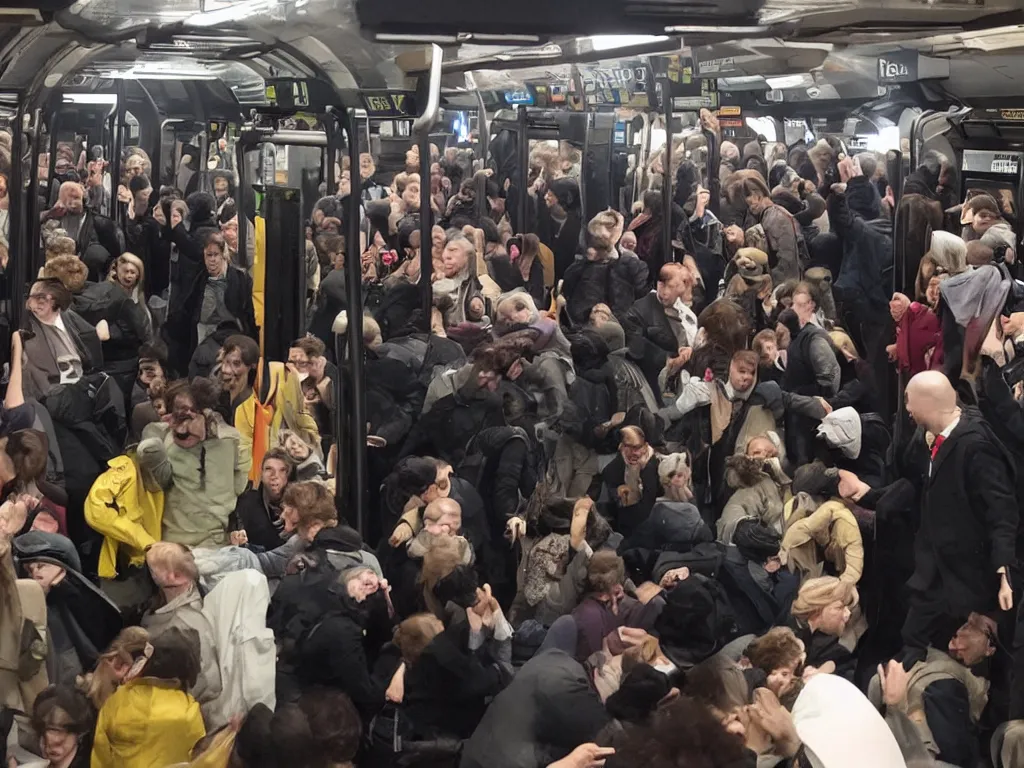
(966, 540)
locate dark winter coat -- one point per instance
(617, 282)
(969, 519)
(628, 518)
(672, 526)
(867, 256)
(548, 710)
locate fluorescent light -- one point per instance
(789, 81)
(90, 98)
(608, 42)
(886, 139)
(387, 37)
(235, 12)
(703, 29)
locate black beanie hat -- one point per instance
(638, 694)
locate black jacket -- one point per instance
(650, 337)
(822, 648)
(447, 689)
(256, 518)
(126, 320)
(867, 259)
(548, 710)
(969, 519)
(628, 518)
(143, 237)
(616, 282)
(237, 301)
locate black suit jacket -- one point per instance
(650, 337)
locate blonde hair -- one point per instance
(843, 342)
(817, 594)
(69, 269)
(100, 684)
(174, 557)
(135, 261)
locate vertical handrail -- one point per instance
(244, 194)
(484, 128)
(115, 161)
(580, 88)
(523, 148)
(421, 130)
(667, 180)
(714, 160)
(357, 389)
(15, 220)
(30, 248)
(333, 154)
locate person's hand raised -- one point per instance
(894, 680)
(585, 756)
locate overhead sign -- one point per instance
(385, 105)
(523, 96)
(909, 67)
(1011, 114)
(984, 161)
(716, 67)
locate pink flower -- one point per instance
(389, 258)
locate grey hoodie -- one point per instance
(842, 429)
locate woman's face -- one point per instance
(437, 237)
(127, 275)
(220, 186)
(932, 294)
(769, 353)
(57, 743)
(366, 167)
(455, 258)
(213, 258)
(296, 448)
(833, 618)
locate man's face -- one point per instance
(301, 361)
(834, 618)
(183, 417)
(411, 196)
(274, 478)
(455, 258)
(761, 448)
(675, 288)
(72, 198)
(769, 352)
(489, 380)
(742, 375)
(804, 307)
(632, 450)
(233, 371)
(972, 643)
(552, 203)
(916, 407)
(290, 518)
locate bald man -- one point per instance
(967, 537)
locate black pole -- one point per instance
(426, 225)
(15, 221)
(714, 161)
(666, 186)
(331, 129)
(354, 296)
(524, 169)
(115, 161)
(483, 128)
(31, 245)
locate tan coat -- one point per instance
(826, 533)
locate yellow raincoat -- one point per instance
(127, 514)
(147, 723)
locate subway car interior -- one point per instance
(517, 132)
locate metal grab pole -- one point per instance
(421, 130)
(357, 387)
(484, 129)
(524, 170)
(667, 180)
(713, 163)
(115, 161)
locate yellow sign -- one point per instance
(1011, 114)
(730, 112)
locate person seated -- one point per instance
(113, 665)
(674, 524)
(631, 480)
(307, 463)
(819, 617)
(179, 605)
(63, 721)
(604, 275)
(944, 694)
(121, 324)
(126, 506)
(201, 463)
(152, 719)
(81, 620)
(258, 511)
(448, 672)
(605, 607)
(62, 346)
(663, 325)
(760, 590)
(821, 534)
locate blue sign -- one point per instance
(515, 98)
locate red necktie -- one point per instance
(936, 445)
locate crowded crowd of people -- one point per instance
(721, 501)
